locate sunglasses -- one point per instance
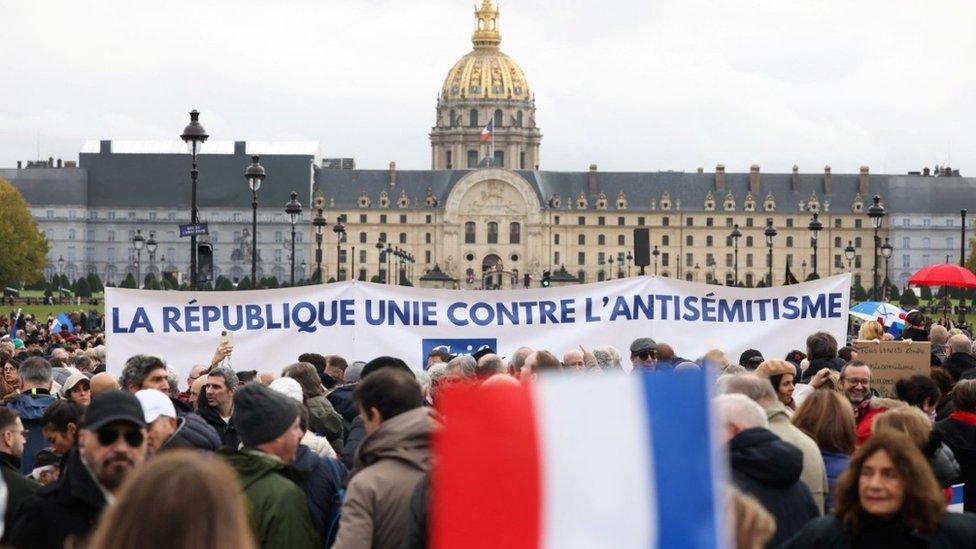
(107, 437)
(645, 355)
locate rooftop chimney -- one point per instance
(393, 174)
(701, 170)
(754, 179)
(863, 179)
(925, 171)
(592, 187)
(795, 178)
(105, 146)
(240, 148)
(826, 187)
(59, 163)
(20, 164)
(720, 178)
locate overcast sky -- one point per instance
(629, 85)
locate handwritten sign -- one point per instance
(894, 360)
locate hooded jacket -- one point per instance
(817, 364)
(769, 469)
(67, 508)
(814, 473)
(278, 508)
(959, 433)
(321, 487)
(31, 407)
(323, 418)
(18, 488)
(959, 364)
(389, 463)
(193, 432)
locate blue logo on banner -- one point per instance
(456, 346)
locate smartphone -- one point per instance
(226, 338)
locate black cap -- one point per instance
(750, 358)
(482, 351)
(642, 344)
(262, 414)
(111, 407)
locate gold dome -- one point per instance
(486, 72)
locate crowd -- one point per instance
(327, 452)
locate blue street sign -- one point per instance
(189, 230)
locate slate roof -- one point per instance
(50, 186)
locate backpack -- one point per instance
(332, 521)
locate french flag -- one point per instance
(487, 130)
(614, 461)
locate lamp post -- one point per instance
(254, 174)
(815, 227)
(319, 223)
(735, 236)
(886, 250)
(610, 260)
(876, 212)
(389, 263)
(138, 242)
(194, 136)
(630, 261)
(151, 246)
(294, 209)
(380, 245)
(697, 271)
(60, 272)
(961, 319)
(849, 252)
(770, 233)
(304, 268)
(655, 253)
(340, 231)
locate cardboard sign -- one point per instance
(894, 360)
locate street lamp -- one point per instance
(886, 250)
(304, 268)
(138, 242)
(294, 209)
(655, 253)
(254, 174)
(194, 136)
(610, 260)
(389, 264)
(961, 319)
(630, 261)
(319, 223)
(151, 246)
(770, 233)
(849, 252)
(340, 231)
(735, 236)
(876, 212)
(60, 272)
(815, 227)
(380, 246)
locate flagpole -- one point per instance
(492, 144)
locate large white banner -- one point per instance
(361, 320)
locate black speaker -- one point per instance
(205, 263)
(642, 247)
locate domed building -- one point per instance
(485, 86)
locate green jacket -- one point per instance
(277, 507)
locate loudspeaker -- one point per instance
(205, 263)
(642, 247)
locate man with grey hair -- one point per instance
(82, 363)
(938, 335)
(760, 390)
(763, 465)
(607, 357)
(960, 361)
(517, 361)
(489, 365)
(462, 367)
(144, 372)
(216, 404)
(34, 399)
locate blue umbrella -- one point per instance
(872, 310)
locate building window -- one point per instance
(857, 242)
(447, 157)
(708, 241)
(521, 158)
(906, 242)
(111, 235)
(362, 238)
(728, 222)
(111, 216)
(499, 158)
(906, 261)
(581, 240)
(926, 222)
(665, 259)
(640, 221)
(949, 222)
(581, 258)
(709, 222)
(837, 242)
(403, 218)
(152, 216)
(789, 223)
(71, 234)
(838, 223)
(427, 256)
(492, 232)
(473, 118)
(620, 221)
(748, 241)
(926, 243)
(620, 240)
(403, 238)
(555, 238)
(601, 240)
(555, 258)
(601, 220)
(557, 220)
(665, 240)
(837, 263)
(857, 223)
(690, 221)
(514, 233)
(581, 276)
(362, 218)
(950, 243)
(689, 260)
(237, 217)
(689, 240)
(427, 238)
(748, 260)
(498, 118)
(728, 260)
(362, 256)
(469, 232)
(749, 222)
(472, 159)
(582, 220)
(278, 237)
(789, 241)
(665, 221)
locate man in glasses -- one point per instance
(855, 383)
(34, 398)
(643, 354)
(112, 444)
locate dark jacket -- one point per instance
(961, 438)
(321, 487)
(225, 430)
(278, 508)
(357, 432)
(914, 334)
(18, 488)
(942, 460)
(69, 507)
(342, 401)
(323, 419)
(960, 364)
(818, 364)
(769, 469)
(193, 432)
(31, 407)
(416, 535)
(955, 530)
(835, 463)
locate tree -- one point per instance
(376, 279)
(24, 247)
(128, 282)
(316, 277)
(95, 283)
(908, 299)
(926, 293)
(244, 284)
(150, 282)
(859, 293)
(82, 288)
(223, 284)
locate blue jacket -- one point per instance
(321, 487)
(193, 432)
(836, 463)
(31, 407)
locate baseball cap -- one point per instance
(155, 404)
(73, 379)
(482, 351)
(113, 406)
(642, 344)
(750, 358)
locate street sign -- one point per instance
(190, 230)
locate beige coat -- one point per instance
(814, 473)
(389, 464)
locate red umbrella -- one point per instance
(944, 274)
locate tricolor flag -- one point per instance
(487, 130)
(614, 461)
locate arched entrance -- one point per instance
(491, 271)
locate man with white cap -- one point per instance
(168, 429)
